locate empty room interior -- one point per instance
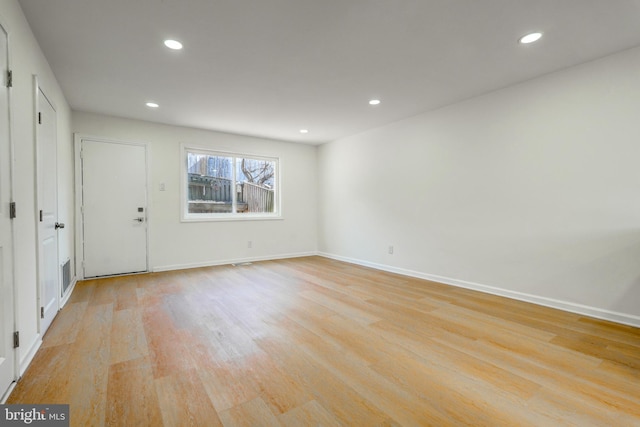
(336, 213)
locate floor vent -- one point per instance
(241, 264)
(66, 276)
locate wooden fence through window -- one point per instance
(208, 194)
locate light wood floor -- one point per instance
(312, 341)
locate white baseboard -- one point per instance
(35, 346)
(7, 393)
(599, 313)
(29, 355)
(229, 261)
(66, 297)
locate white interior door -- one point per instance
(7, 353)
(48, 264)
(114, 207)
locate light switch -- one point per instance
(162, 188)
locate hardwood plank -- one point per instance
(493, 324)
(131, 394)
(82, 291)
(587, 383)
(340, 306)
(603, 349)
(442, 355)
(342, 401)
(64, 329)
(412, 309)
(399, 405)
(328, 389)
(228, 385)
(512, 341)
(128, 340)
(88, 367)
(569, 409)
(168, 348)
(309, 414)
(104, 291)
(620, 377)
(457, 398)
(46, 379)
(249, 414)
(184, 401)
(126, 295)
(275, 386)
(358, 341)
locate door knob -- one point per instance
(139, 219)
(59, 225)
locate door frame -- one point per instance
(78, 138)
(4, 394)
(38, 90)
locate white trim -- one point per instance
(230, 261)
(79, 235)
(37, 134)
(79, 229)
(36, 201)
(236, 217)
(31, 353)
(67, 295)
(14, 290)
(599, 313)
(7, 393)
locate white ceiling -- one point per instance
(271, 67)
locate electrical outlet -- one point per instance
(249, 244)
(162, 186)
(391, 250)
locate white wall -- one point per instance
(532, 192)
(27, 60)
(175, 244)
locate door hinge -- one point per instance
(16, 339)
(42, 312)
(9, 78)
(39, 118)
(40, 215)
(12, 210)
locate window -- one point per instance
(221, 185)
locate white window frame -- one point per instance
(186, 216)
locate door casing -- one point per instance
(8, 302)
(49, 295)
(78, 139)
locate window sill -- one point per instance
(206, 218)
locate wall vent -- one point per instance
(66, 276)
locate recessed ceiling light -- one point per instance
(530, 38)
(304, 130)
(173, 44)
(152, 105)
(374, 102)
